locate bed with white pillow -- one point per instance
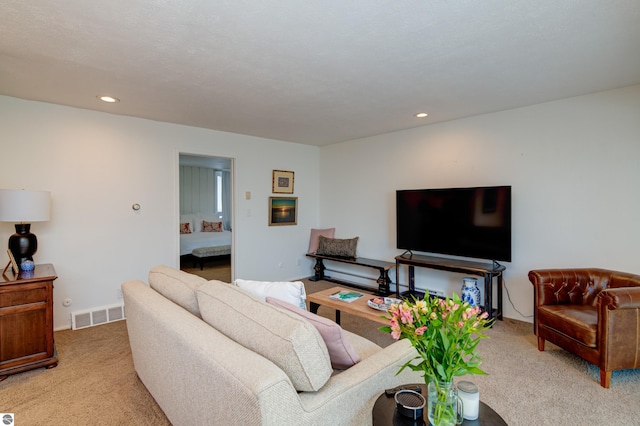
(199, 238)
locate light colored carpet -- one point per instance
(95, 382)
(214, 269)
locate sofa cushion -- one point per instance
(287, 340)
(291, 292)
(177, 286)
(341, 352)
(579, 322)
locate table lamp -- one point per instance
(23, 207)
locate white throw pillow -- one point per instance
(290, 292)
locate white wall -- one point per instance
(97, 165)
(574, 166)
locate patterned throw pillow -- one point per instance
(211, 226)
(185, 228)
(337, 247)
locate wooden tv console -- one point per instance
(487, 271)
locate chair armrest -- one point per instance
(618, 328)
(620, 298)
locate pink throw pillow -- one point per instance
(185, 228)
(211, 226)
(315, 238)
(341, 352)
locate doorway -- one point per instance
(205, 206)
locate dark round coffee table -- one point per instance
(385, 414)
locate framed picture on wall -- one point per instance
(282, 182)
(283, 211)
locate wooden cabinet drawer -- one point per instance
(15, 296)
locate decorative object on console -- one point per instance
(315, 236)
(470, 291)
(282, 182)
(283, 211)
(17, 205)
(12, 262)
(337, 247)
(446, 333)
(27, 265)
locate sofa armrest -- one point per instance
(367, 379)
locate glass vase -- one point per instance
(444, 407)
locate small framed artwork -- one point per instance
(282, 182)
(12, 263)
(283, 211)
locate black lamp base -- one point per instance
(23, 244)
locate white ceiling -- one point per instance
(315, 71)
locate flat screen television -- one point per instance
(466, 222)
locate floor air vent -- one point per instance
(97, 316)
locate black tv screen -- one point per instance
(467, 222)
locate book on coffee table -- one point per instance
(346, 295)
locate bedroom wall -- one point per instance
(573, 166)
(197, 190)
(97, 165)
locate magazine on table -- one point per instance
(346, 295)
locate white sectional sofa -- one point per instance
(259, 365)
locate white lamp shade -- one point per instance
(19, 205)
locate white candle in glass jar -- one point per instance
(470, 396)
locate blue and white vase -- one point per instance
(27, 265)
(470, 291)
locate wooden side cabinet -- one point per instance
(26, 321)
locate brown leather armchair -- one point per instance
(592, 313)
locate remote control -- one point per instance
(392, 392)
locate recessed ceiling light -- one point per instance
(421, 115)
(108, 99)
